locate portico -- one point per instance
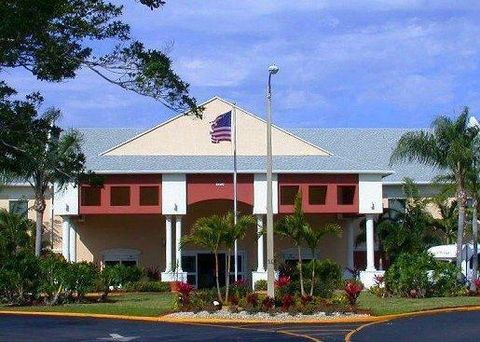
(146, 206)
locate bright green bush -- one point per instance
(81, 278)
(147, 286)
(420, 275)
(261, 285)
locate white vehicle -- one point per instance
(448, 253)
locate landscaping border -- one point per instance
(163, 319)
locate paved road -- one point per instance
(458, 326)
(451, 327)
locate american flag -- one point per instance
(222, 128)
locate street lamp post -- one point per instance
(272, 70)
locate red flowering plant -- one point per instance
(353, 290)
(476, 282)
(282, 285)
(306, 300)
(174, 286)
(268, 303)
(287, 302)
(240, 288)
(184, 289)
(252, 299)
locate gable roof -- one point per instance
(187, 135)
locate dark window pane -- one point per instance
(129, 263)
(287, 194)
(345, 194)
(90, 196)
(111, 263)
(191, 279)
(149, 195)
(18, 208)
(232, 264)
(317, 194)
(119, 195)
(189, 263)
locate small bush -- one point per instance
(252, 299)
(261, 285)
(420, 275)
(147, 286)
(81, 278)
(287, 302)
(268, 303)
(185, 289)
(240, 288)
(352, 290)
(153, 273)
(328, 277)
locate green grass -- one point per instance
(130, 304)
(155, 304)
(388, 306)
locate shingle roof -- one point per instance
(366, 150)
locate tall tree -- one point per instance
(55, 39)
(293, 227)
(449, 147)
(34, 149)
(232, 232)
(208, 232)
(313, 237)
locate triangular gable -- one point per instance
(185, 135)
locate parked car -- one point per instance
(448, 253)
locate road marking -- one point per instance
(119, 338)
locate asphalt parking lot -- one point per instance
(454, 326)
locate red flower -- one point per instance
(268, 303)
(287, 302)
(252, 299)
(306, 299)
(282, 281)
(353, 289)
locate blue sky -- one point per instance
(356, 63)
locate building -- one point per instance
(159, 181)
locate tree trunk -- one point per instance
(38, 231)
(461, 224)
(227, 275)
(217, 278)
(475, 246)
(312, 283)
(302, 290)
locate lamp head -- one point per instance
(273, 69)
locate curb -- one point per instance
(164, 319)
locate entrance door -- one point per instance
(206, 270)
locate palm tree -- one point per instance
(208, 232)
(15, 235)
(35, 150)
(449, 147)
(232, 232)
(313, 238)
(293, 227)
(446, 224)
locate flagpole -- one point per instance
(234, 127)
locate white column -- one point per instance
(350, 243)
(72, 242)
(260, 256)
(66, 238)
(370, 243)
(178, 249)
(168, 243)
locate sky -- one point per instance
(355, 63)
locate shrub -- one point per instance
(261, 285)
(54, 272)
(252, 299)
(352, 290)
(420, 275)
(111, 277)
(240, 288)
(185, 289)
(287, 302)
(153, 273)
(328, 276)
(201, 300)
(282, 281)
(268, 303)
(147, 286)
(476, 282)
(80, 278)
(306, 299)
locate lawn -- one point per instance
(388, 306)
(155, 304)
(130, 304)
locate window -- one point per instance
(317, 194)
(189, 265)
(90, 196)
(345, 194)
(18, 207)
(127, 257)
(287, 194)
(149, 195)
(119, 196)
